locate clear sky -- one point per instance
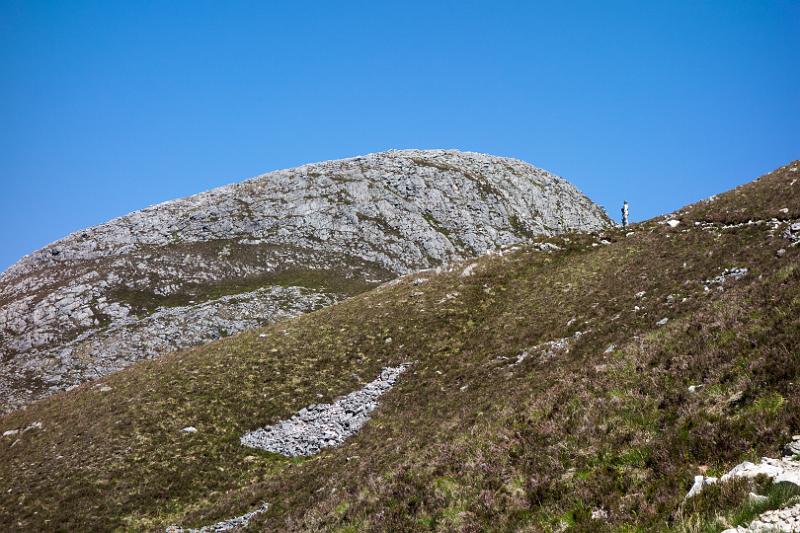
(108, 107)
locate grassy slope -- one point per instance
(465, 440)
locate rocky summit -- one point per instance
(195, 269)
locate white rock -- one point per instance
(779, 470)
(550, 247)
(783, 520)
(225, 525)
(189, 429)
(469, 270)
(699, 483)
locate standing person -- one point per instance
(625, 213)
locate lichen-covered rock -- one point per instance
(106, 296)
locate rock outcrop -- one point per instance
(287, 242)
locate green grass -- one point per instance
(465, 440)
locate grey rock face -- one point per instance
(323, 425)
(128, 289)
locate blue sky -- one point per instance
(109, 107)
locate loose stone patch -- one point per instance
(324, 425)
(225, 525)
(547, 350)
(787, 520)
(729, 273)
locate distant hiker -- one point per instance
(625, 213)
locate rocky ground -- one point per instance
(132, 288)
(778, 520)
(321, 426)
(97, 352)
(225, 525)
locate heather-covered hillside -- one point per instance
(576, 381)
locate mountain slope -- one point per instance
(543, 383)
(280, 244)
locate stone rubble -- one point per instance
(773, 224)
(367, 218)
(783, 520)
(225, 525)
(548, 349)
(735, 274)
(321, 426)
